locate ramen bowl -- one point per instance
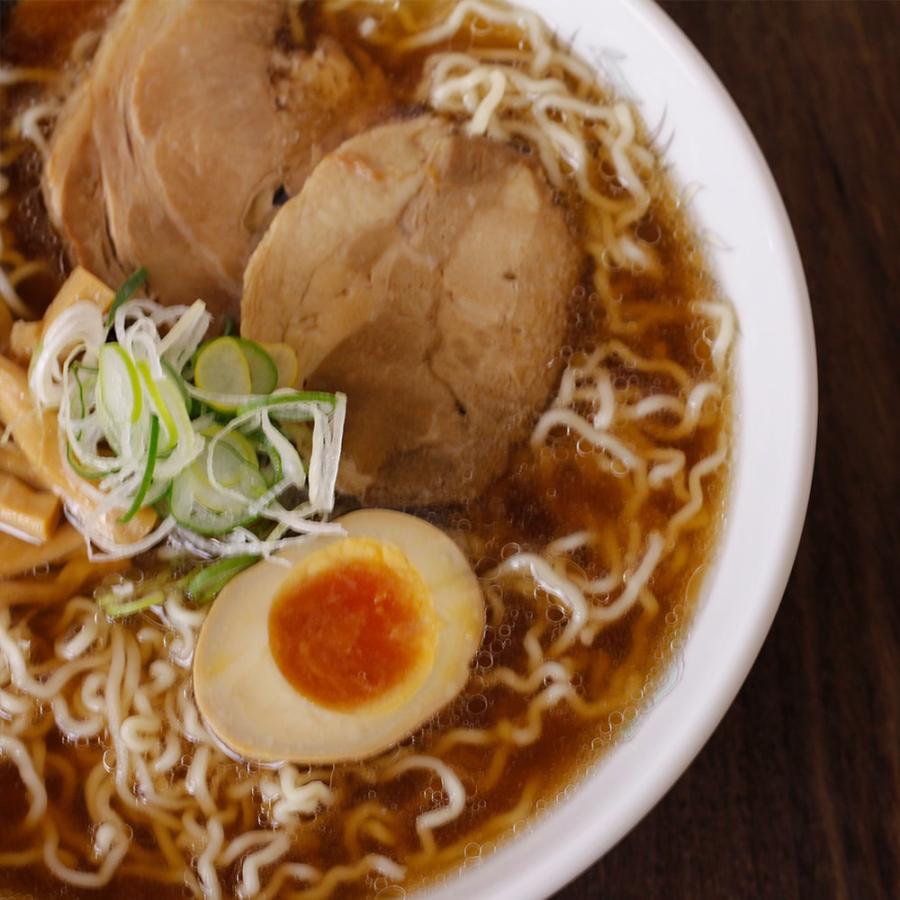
(736, 206)
(494, 231)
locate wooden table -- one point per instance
(798, 792)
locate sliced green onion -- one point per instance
(285, 360)
(290, 461)
(300, 435)
(165, 420)
(238, 442)
(288, 397)
(205, 585)
(228, 464)
(197, 505)
(272, 471)
(120, 398)
(129, 286)
(221, 367)
(78, 329)
(163, 411)
(158, 490)
(147, 478)
(80, 468)
(178, 381)
(263, 371)
(180, 344)
(115, 608)
(90, 381)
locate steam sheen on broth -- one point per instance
(590, 547)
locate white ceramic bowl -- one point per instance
(641, 50)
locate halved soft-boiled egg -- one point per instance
(343, 645)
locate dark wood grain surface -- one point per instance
(798, 792)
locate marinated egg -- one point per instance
(340, 646)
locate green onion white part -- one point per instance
(133, 423)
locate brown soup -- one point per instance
(636, 335)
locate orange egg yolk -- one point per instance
(347, 634)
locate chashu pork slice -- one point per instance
(172, 151)
(426, 274)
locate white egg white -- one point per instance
(254, 710)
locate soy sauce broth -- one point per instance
(542, 496)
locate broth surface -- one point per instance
(548, 492)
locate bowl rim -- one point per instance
(551, 853)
